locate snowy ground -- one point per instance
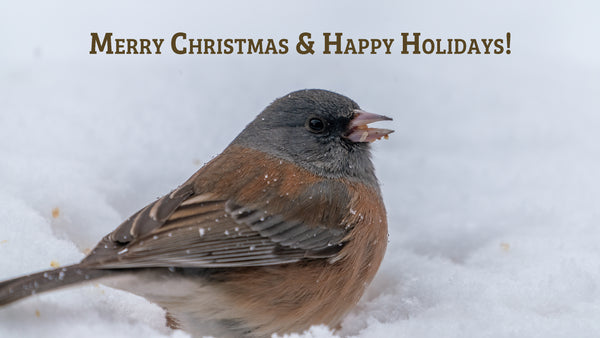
(491, 179)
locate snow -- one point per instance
(490, 180)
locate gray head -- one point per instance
(321, 131)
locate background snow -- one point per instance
(491, 179)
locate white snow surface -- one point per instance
(491, 180)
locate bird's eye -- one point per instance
(315, 124)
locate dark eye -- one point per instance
(315, 124)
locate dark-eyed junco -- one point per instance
(281, 231)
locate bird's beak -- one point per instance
(358, 131)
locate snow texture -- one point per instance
(490, 180)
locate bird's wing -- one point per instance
(187, 229)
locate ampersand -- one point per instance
(305, 45)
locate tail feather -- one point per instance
(21, 287)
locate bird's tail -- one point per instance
(21, 287)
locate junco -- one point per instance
(281, 231)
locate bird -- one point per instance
(283, 230)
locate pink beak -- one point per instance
(359, 130)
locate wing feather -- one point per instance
(185, 229)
